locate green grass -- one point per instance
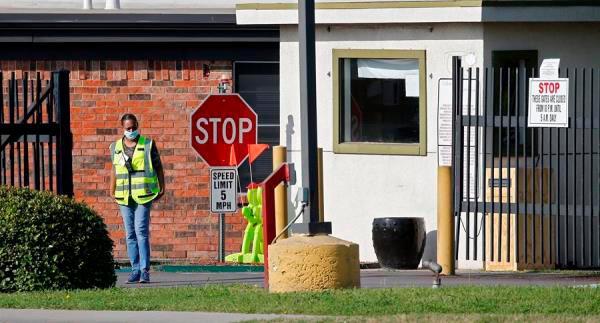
(436, 318)
(364, 302)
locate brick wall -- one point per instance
(162, 95)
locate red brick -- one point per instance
(162, 99)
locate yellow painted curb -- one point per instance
(313, 263)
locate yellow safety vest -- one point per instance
(142, 183)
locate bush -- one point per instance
(51, 242)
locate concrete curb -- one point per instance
(51, 316)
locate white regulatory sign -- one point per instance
(223, 192)
(548, 103)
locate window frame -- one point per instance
(376, 148)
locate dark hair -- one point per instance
(129, 116)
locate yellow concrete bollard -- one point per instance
(445, 221)
(280, 157)
(313, 263)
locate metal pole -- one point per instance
(321, 204)
(308, 120)
(221, 237)
(64, 167)
(280, 157)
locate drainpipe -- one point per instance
(112, 4)
(87, 5)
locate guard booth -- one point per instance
(525, 197)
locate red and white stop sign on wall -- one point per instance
(221, 121)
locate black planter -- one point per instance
(399, 242)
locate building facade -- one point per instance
(160, 60)
(158, 63)
(381, 162)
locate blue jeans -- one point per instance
(136, 218)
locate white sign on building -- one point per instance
(223, 192)
(445, 140)
(548, 102)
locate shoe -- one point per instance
(134, 277)
(145, 277)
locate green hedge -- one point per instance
(51, 242)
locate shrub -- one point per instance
(51, 242)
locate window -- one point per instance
(258, 84)
(379, 102)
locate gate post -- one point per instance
(281, 217)
(64, 161)
(445, 221)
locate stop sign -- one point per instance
(220, 122)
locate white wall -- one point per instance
(359, 188)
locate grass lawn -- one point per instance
(552, 301)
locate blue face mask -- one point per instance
(131, 134)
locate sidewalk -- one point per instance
(52, 316)
(381, 278)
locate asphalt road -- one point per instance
(372, 278)
(381, 278)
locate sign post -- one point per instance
(222, 127)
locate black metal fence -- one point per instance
(525, 197)
(35, 132)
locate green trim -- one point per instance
(210, 269)
(362, 5)
(201, 269)
(418, 149)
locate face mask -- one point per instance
(131, 134)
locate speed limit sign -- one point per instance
(223, 193)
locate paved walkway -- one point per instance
(55, 316)
(380, 278)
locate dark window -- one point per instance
(379, 100)
(258, 84)
(507, 66)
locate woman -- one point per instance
(137, 180)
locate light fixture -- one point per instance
(205, 70)
(223, 84)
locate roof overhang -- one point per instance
(443, 11)
(83, 26)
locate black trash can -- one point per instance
(399, 242)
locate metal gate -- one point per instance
(525, 198)
(35, 132)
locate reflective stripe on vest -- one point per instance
(141, 184)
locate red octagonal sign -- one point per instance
(220, 122)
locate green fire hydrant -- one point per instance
(253, 234)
